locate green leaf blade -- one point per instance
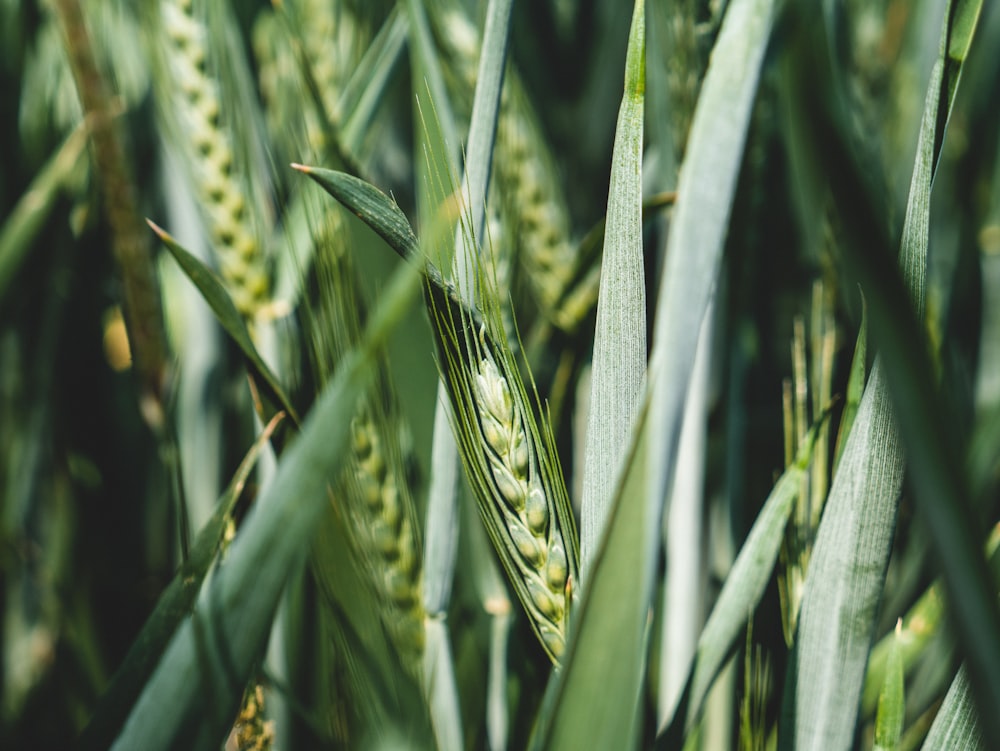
(606, 651)
(191, 699)
(956, 724)
(891, 701)
(370, 205)
(173, 606)
(229, 318)
(619, 361)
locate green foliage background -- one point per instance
(783, 198)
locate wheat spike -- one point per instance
(373, 494)
(195, 105)
(251, 731)
(525, 174)
(511, 465)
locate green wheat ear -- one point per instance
(307, 51)
(510, 460)
(534, 205)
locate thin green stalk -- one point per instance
(28, 217)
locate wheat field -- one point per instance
(470, 374)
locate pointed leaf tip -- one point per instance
(160, 232)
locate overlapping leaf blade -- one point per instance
(847, 569)
(173, 606)
(193, 695)
(606, 655)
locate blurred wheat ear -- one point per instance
(217, 152)
(373, 496)
(509, 458)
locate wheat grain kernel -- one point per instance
(553, 639)
(495, 434)
(537, 511)
(526, 543)
(550, 606)
(385, 538)
(557, 568)
(494, 393)
(511, 488)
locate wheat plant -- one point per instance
(479, 374)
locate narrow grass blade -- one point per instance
(698, 228)
(366, 88)
(576, 712)
(192, 697)
(961, 17)
(962, 20)
(855, 390)
(908, 643)
(443, 700)
(619, 361)
(229, 318)
(437, 135)
(740, 595)
(469, 241)
(173, 606)
(606, 650)
(845, 577)
(922, 623)
(956, 724)
(684, 604)
(891, 704)
(483, 126)
(29, 215)
(846, 573)
(369, 204)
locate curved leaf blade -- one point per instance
(370, 205)
(743, 588)
(172, 607)
(229, 318)
(847, 570)
(606, 651)
(192, 697)
(956, 724)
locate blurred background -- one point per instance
(90, 526)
